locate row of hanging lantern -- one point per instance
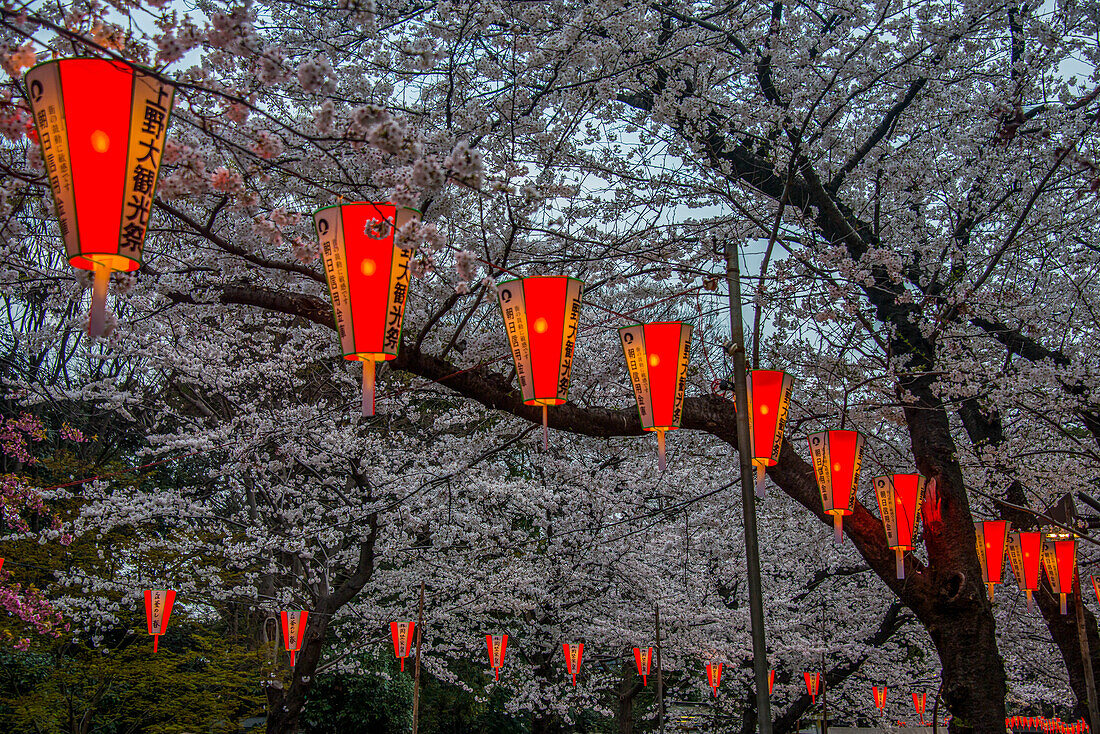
(1043, 724)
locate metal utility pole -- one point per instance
(416, 673)
(736, 350)
(1086, 656)
(660, 677)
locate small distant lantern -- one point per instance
(294, 630)
(1, 564)
(643, 658)
(368, 281)
(158, 608)
(497, 645)
(919, 701)
(771, 682)
(101, 125)
(1095, 583)
(880, 697)
(813, 685)
(1059, 560)
(769, 404)
(1025, 555)
(541, 315)
(657, 360)
(899, 501)
(402, 633)
(573, 653)
(714, 676)
(991, 537)
(837, 457)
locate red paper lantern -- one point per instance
(1095, 583)
(1059, 560)
(991, 536)
(573, 653)
(657, 360)
(899, 501)
(771, 681)
(497, 645)
(714, 676)
(880, 697)
(919, 701)
(402, 633)
(643, 658)
(813, 683)
(769, 403)
(1025, 555)
(158, 608)
(102, 126)
(1, 564)
(368, 281)
(294, 630)
(837, 457)
(540, 317)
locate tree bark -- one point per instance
(629, 688)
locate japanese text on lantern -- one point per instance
(512, 306)
(158, 598)
(330, 232)
(148, 128)
(44, 86)
(781, 417)
(884, 490)
(634, 347)
(572, 318)
(681, 378)
(399, 289)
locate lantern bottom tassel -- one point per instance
(545, 430)
(368, 388)
(497, 671)
(761, 472)
(1065, 610)
(901, 562)
(661, 450)
(838, 529)
(1030, 602)
(97, 316)
(156, 639)
(990, 587)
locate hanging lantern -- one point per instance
(2, 565)
(643, 658)
(402, 633)
(573, 653)
(771, 682)
(813, 683)
(837, 456)
(540, 317)
(102, 126)
(1059, 559)
(1025, 555)
(769, 403)
(368, 281)
(714, 676)
(158, 608)
(657, 360)
(899, 501)
(294, 629)
(919, 700)
(497, 645)
(880, 697)
(991, 536)
(1095, 584)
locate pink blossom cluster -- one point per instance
(14, 60)
(30, 606)
(16, 433)
(315, 74)
(267, 145)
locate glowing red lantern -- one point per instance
(540, 317)
(158, 608)
(769, 403)
(1059, 560)
(837, 456)
(899, 501)
(573, 653)
(991, 536)
(657, 360)
(368, 281)
(294, 630)
(813, 684)
(771, 682)
(1025, 555)
(497, 645)
(2, 564)
(714, 676)
(643, 658)
(402, 633)
(1095, 585)
(880, 697)
(101, 125)
(919, 701)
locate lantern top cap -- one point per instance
(116, 62)
(859, 433)
(365, 203)
(542, 277)
(891, 475)
(656, 323)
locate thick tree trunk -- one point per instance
(629, 688)
(284, 707)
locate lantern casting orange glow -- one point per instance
(837, 457)
(402, 633)
(294, 630)
(368, 281)
(1059, 560)
(991, 536)
(813, 684)
(1025, 555)
(158, 608)
(657, 360)
(769, 403)
(643, 658)
(540, 318)
(714, 676)
(899, 501)
(101, 125)
(573, 654)
(497, 645)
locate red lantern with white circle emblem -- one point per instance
(101, 125)
(714, 676)
(497, 645)
(769, 403)
(158, 608)
(991, 538)
(837, 458)
(657, 360)
(1060, 562)
(368, 281)
(1025, 555)
(899, 501)
(573, 654)
(541, 315)
(643, 658)
(294, 630)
